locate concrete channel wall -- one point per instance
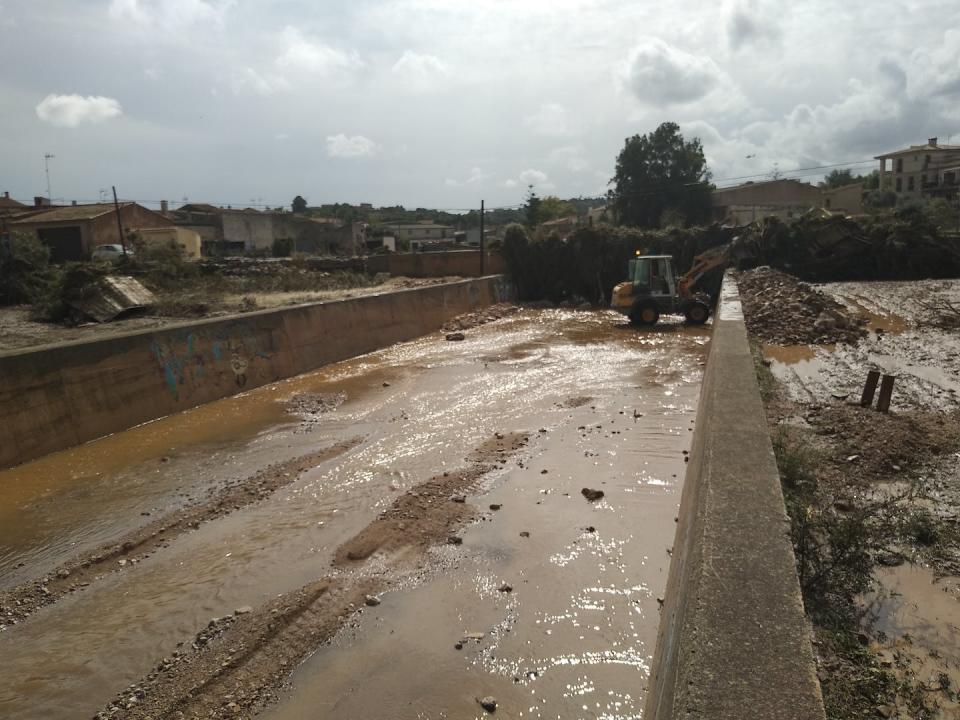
(465, 263)
(56, 396)
(733, 641)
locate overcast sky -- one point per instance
(439, 103)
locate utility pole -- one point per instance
(47, 157)
(482, 244)
(116, 207)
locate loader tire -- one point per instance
(697, 313)
(646, 314)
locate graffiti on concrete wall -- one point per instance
(214, 356)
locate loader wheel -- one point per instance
(697, 313)
(645, 315)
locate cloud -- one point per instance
(549, 120)
(261, 83)
(350, 147)
(169, 14)
(533, 177)
(751, 23)
(511, 183)
(72, 110)
(572, 157)
(476, 177)
(656, 72)
(420, 70)
(305, 55)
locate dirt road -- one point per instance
(419, 535)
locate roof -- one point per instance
(70, 213)
(562, 221)
(419, 226)
(9, 202)
(200, 207)
(926, 147)
(752, 184)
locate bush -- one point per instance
(26, 275)
(282, 247)
(163, 265)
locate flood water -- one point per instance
(573, 639)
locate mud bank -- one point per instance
(62, 395)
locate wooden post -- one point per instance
(866, 400)
(886, 392)
(482, 244)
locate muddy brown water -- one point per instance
(576, 632)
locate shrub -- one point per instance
(25, 271)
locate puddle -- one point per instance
(917, 621)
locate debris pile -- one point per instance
(781, 310)
(479, 317)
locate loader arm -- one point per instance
(702, 264)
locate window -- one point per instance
(899, 165)
(910, 183)
(827, 204)
(899, 184)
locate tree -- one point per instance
(552, 207)
(299, 205)
(659, 171)
(532, 208)
(839, 178)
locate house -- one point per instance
(73, 231)
(931, 170)
(847, 199)
(598, 215)
(227, 231)
(562, 226)
(9, 206)
(422, 232)
(187, 240)
(784, 199)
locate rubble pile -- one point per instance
(781, 310)
(479, 317)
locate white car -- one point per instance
(109, 252)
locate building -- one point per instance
(226, 231)
(847, 199)
(931, 170)
(72, 232)
(187, 240)
(9, 206)
(599, 215)
(752, 201)
(422, 232)
(562, 226)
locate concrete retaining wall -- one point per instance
(465, 263)
(61, 395)
(733, 641)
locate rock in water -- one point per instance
(592, 495)
(456, 336)
(489, 704)
(372, 601)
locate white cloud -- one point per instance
(350, 147)
(659, 73)
(549, 120)
(476, 177)
(72, 110)
(169, 14)
(419, 70)
(306, 55)
(533, 177)
(511, 183)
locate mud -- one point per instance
(881, 487)
(480, 317)
(605, 406)
(18, 603)
(238, 664)
(430, 513)
(780, 309)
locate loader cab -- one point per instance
(653, 275)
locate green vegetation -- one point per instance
(26, 275)
(299, 205)
(658, 172)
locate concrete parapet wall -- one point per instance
(465, 263)
(733, 641)
(60, 395)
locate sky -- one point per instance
(444, 103)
